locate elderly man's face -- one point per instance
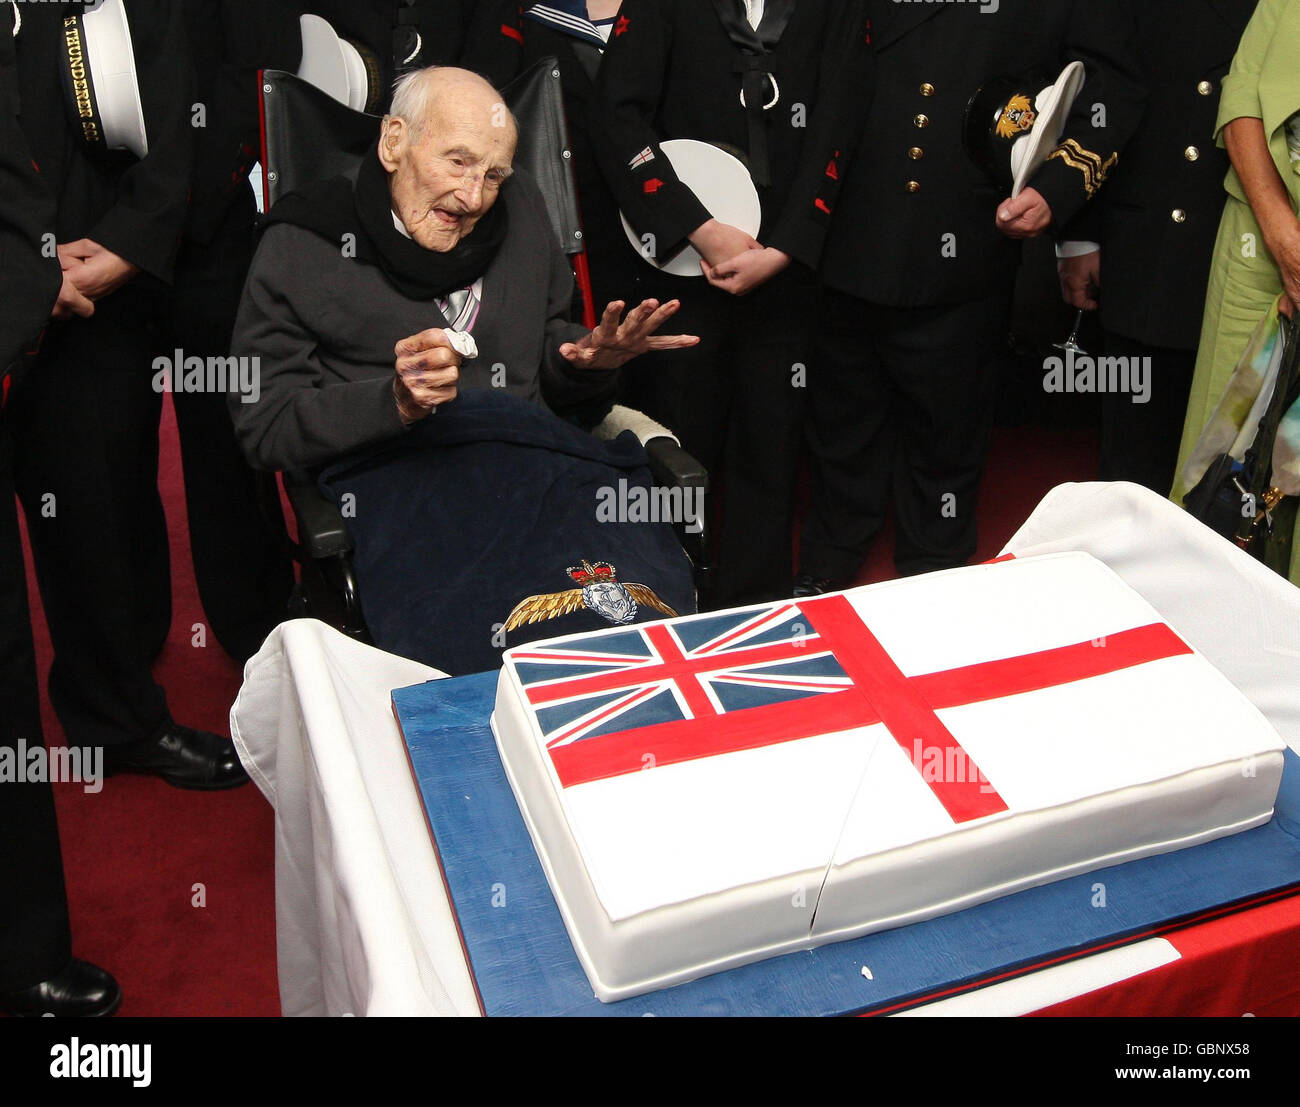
(445, 179)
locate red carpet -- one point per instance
(134, 852)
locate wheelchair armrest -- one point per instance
(321, 530)
(622, 419)
(673, 467)
(670, 465)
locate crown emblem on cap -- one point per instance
(598, 590)
(1017, 118)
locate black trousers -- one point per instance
(1139, 441)
(35, 943)
(736, 403)
(242, 564)
(85, 421)
(900, 404)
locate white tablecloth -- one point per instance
(362, 920)
(363, 925)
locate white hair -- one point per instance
(415, 100)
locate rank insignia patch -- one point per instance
(598, 590)
(1087, 162)
(645, 157)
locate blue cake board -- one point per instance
(523, 963)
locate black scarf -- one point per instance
(337, 207)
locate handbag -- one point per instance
(1237, 498)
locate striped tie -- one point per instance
(460, 308)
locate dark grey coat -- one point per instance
(324, 327)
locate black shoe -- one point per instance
(185, 758)
(82, 990)
(805, 584)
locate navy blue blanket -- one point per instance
(485, 504)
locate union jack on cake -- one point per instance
(717, 789)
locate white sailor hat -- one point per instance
(717, 177)
(344, 69)
(99, 78)
(1011, 132)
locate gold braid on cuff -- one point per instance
(1094, 170)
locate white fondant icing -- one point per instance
(687, 868)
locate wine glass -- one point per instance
(1071, 344)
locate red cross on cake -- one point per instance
(720, 788)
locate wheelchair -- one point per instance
(309, 136)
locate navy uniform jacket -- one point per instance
(508, 44)
(670, 71)
(134, 207)
(34, 937)
(29, 275)
(381, 25)
(1158, 216)
(230, 40)
(907, 180)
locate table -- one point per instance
(363, 922)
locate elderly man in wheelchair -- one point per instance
(411, 326)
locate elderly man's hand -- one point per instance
(428, 367)
(612, 343)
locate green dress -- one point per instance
(1264, 83)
